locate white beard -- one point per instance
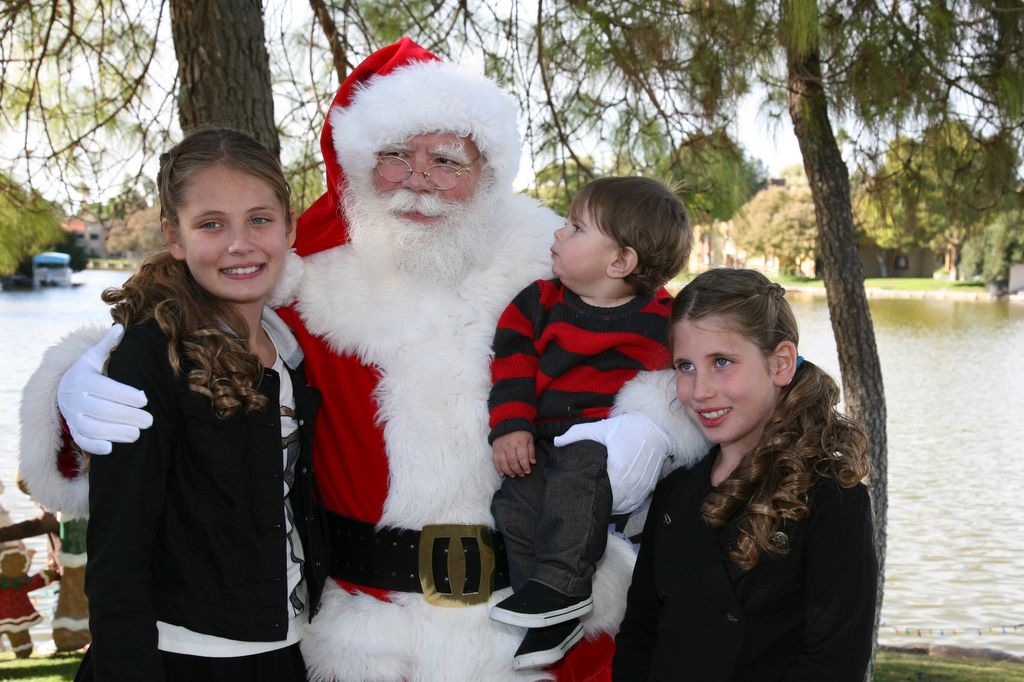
(439, 253)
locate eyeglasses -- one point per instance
(441, 176)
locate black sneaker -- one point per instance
(536, 606)
(544, 646)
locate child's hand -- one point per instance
(513, 453)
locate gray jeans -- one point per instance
(555, 519)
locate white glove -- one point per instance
(637, 447)
(97, 409)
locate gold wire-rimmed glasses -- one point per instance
(441, 176)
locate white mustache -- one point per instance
(406, 201)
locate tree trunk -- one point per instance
(223, 67)
(954, 261)
(335, 41)
(844, 279)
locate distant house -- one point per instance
(879, 262)
(714, 246)
(90, 234)
(1016, 278)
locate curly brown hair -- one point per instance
(805, 440)
(203, 332)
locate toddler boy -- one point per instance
(562, 350)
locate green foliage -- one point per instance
(998, 246)
(629, 84)
(69, 244)
(891, 206)
(800, 25)
(1002, 72)
(939, 190)
(137, 234)
(28, 225)
(779, 222)
(714, 175)
(623, 88)
(557, 183)
(387, 22)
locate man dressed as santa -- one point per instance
(406, 263)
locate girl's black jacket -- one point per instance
(187, 524)
(693, 615)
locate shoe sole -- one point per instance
(540, 620)
(539, 659)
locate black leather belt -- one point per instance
(450, 564)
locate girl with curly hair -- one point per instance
(205, 549)
(758, 563)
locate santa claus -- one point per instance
(406, 263)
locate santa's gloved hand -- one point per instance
(637, 447)
(98, 410)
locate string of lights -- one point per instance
(953, 630)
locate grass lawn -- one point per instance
(891, 667)
(895, 666)
(37, 668)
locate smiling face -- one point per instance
(233, 232)
(726, 383)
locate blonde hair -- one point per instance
(203, 331)
(805, 440)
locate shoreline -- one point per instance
(818, 290)
(956, 652)
(936, 295)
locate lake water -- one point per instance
(954, 383)
(954, 386)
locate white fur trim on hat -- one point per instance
(427, 97)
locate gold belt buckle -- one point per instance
(455, 533)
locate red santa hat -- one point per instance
(400, 91)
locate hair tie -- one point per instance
(799, 361)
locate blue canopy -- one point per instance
(52, 258)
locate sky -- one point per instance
(771, 142)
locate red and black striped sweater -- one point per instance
(559, 361)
